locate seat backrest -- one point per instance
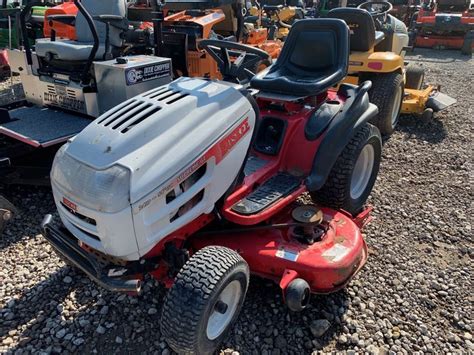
(315, 46)
(315, 57)
(100, 7)
(361, 25)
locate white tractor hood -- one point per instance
(159, 133)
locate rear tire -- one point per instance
(415, 76)
(353, 175)
(205, 300)
(387, 94)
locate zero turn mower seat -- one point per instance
(364, 37)
(314, 58)
(80, 49)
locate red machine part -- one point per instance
(296, 116)
(4, 63)
(435, 31)
(62, 30)
(432, 41)
(327, 265)
(272, 250)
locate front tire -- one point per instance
(387, 94)
(205, 300)
(353, 175)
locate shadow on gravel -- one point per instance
(25, 224)
(265, 322)
(413, 127)
(427, 55)
(30, 311)
(264, 325)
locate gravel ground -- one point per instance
(414, 294)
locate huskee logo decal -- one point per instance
(230, 140)
(218, 151)
(71, 205)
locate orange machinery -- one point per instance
(63, 29)
(183, 31)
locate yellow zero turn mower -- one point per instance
(378, 43)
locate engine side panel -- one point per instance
(157, 216)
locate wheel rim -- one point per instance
(220, 318)
(396, 106)
(362, 171)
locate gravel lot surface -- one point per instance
(414, 294)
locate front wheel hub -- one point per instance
(362, 171)
(224, 309)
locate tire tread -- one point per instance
(335, 192)
(188, 296)
(381, 94)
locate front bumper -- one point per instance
(67, 246)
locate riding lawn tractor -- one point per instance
(446, 24)
(196, 183)
(278, 19)
(378, 42)
(182, 32)
(404, 10)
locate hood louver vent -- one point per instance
(140, 118)
(130, 113)
(156, 92)
(166, 95)
(115, 112)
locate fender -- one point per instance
(321, 119)
(356, 111)
(375, 62)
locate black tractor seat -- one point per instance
(313, 59)
(364, 36)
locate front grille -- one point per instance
(80, 216)
(90, 235)
(90, 221)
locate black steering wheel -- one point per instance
(378, 9)
(237, 62)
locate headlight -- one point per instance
(101, 190)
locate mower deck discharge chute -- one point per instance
(378, 43)
(199, 185)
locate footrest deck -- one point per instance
(265, 195)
